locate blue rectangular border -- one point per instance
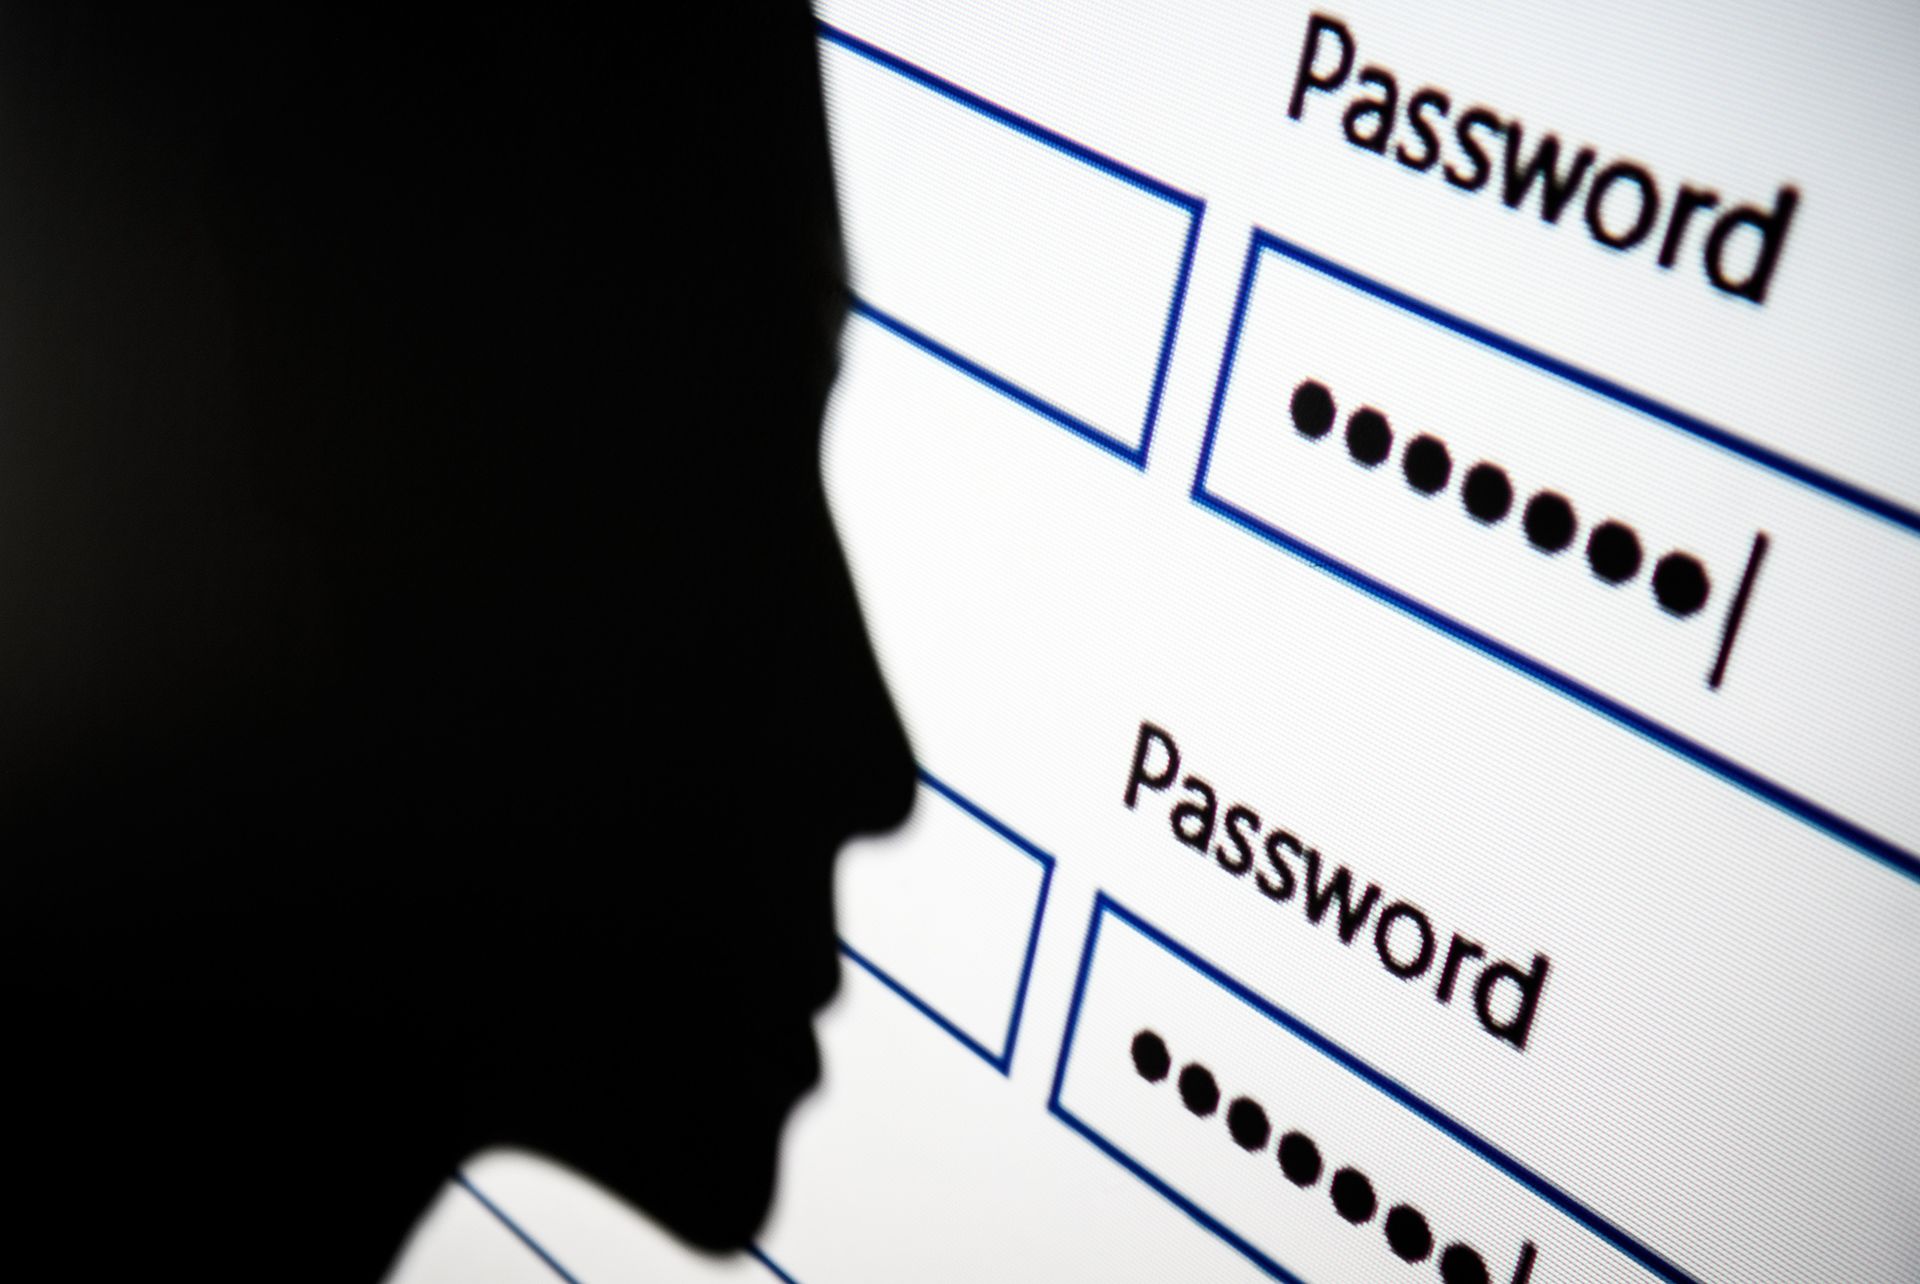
(1797, 805)
(1194, 206)
(779, 1272)
(1002, 1060)
(1104, 906)
(552, 1263)
(520, 1232)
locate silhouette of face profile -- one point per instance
(755, 736)
(433, 694)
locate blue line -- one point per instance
(500, 1215)
(1786, 466)
(980, 814)
(1113, 1152)
(519, 1231)
(1013, 120)
(1005, 387)
(1394, 1089)
(1166, 340)
(1802, 808)
(760, 1255)
(925, 1009)
(1185, 1205)
(1805, 809)
(1003, 1060)
(1193, 205)
(1026, 966)
(1227, 355)
(1073, 1008)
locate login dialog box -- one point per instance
(1395, 533)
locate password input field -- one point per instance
(1307, 1160)
(1740, 613)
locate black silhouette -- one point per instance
(431, 693)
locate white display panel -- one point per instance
(1070, 514)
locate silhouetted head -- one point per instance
(432, 690)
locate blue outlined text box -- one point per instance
(946, 913)
(1047, 270)
(1467, 1192)
(1820, 689)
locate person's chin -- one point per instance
(677, 1108)
(713, 1184)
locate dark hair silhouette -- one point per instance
(431, 692)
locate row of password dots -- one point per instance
(1680, 583)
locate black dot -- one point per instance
(1353, 1195)
(1487, 493)
(1312, 409)
(1198, 1089)
(1248, 1123)
(1150, 1056)
(1613, 551)
(1549, 522)
(1300, 1159)
(1369, 440)
(1427, 465)
(1680, 583)
(1407, 1233)
(1461, 1265)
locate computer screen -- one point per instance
(1394, 531)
